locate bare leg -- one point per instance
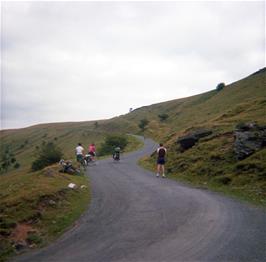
(158, 169)
(162, 167)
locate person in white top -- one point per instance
(79, 153)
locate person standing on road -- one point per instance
(161, 154)
(79, 153)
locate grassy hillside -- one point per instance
(28, 199)
(212, 163)
(23, 143)
(244, 100)
(36, 207)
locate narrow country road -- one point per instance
(135, 216)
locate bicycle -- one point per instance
(83, 163)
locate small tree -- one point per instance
(143, 123)
(112, 141)
(17, 165)
(47, 155)
(220, 86)
(163, 117)
(7, 160)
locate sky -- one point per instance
(79, 61)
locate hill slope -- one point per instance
(211, 162)
(244, 100)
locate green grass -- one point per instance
(42, 201)
(210, 163)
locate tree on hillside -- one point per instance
(143, 124)
(8, 160)
(48, 154)
(220, 86)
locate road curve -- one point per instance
(135, 216)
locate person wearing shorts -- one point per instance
(161, 154)
(79, 153)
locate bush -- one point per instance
(7, 160)
(34, 239)
(222, 180)
(47, 155)
(143, 123)
(163, 117)
(220, 86)
(17, 165)
(112, 141)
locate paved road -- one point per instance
(135, 216)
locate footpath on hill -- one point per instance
(135, 216)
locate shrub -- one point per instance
(163, 117)
(222, 180)
(7, 160)
(112, 141)
(143, 123)
(34, 239)
(17, 165)
(220, 86)
(47, 155)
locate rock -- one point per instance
(249, 138)
(52, 202)
(187, 142)
(202, 133)
(72, 185)
(191, 139)
(83, 186)
(20, 245)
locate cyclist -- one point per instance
(80, 154)
(116, 153)
(92, 151)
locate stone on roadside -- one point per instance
(72, 185)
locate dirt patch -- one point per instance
(20, 233)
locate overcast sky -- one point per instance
(75, 61)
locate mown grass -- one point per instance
(42, 201)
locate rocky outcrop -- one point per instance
(249, 138)
(191, 139)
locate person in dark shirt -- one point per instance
(161, 153)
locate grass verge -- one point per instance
(238, 187)
(38, 207)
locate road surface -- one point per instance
(135, 216)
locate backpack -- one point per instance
(161, 152)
